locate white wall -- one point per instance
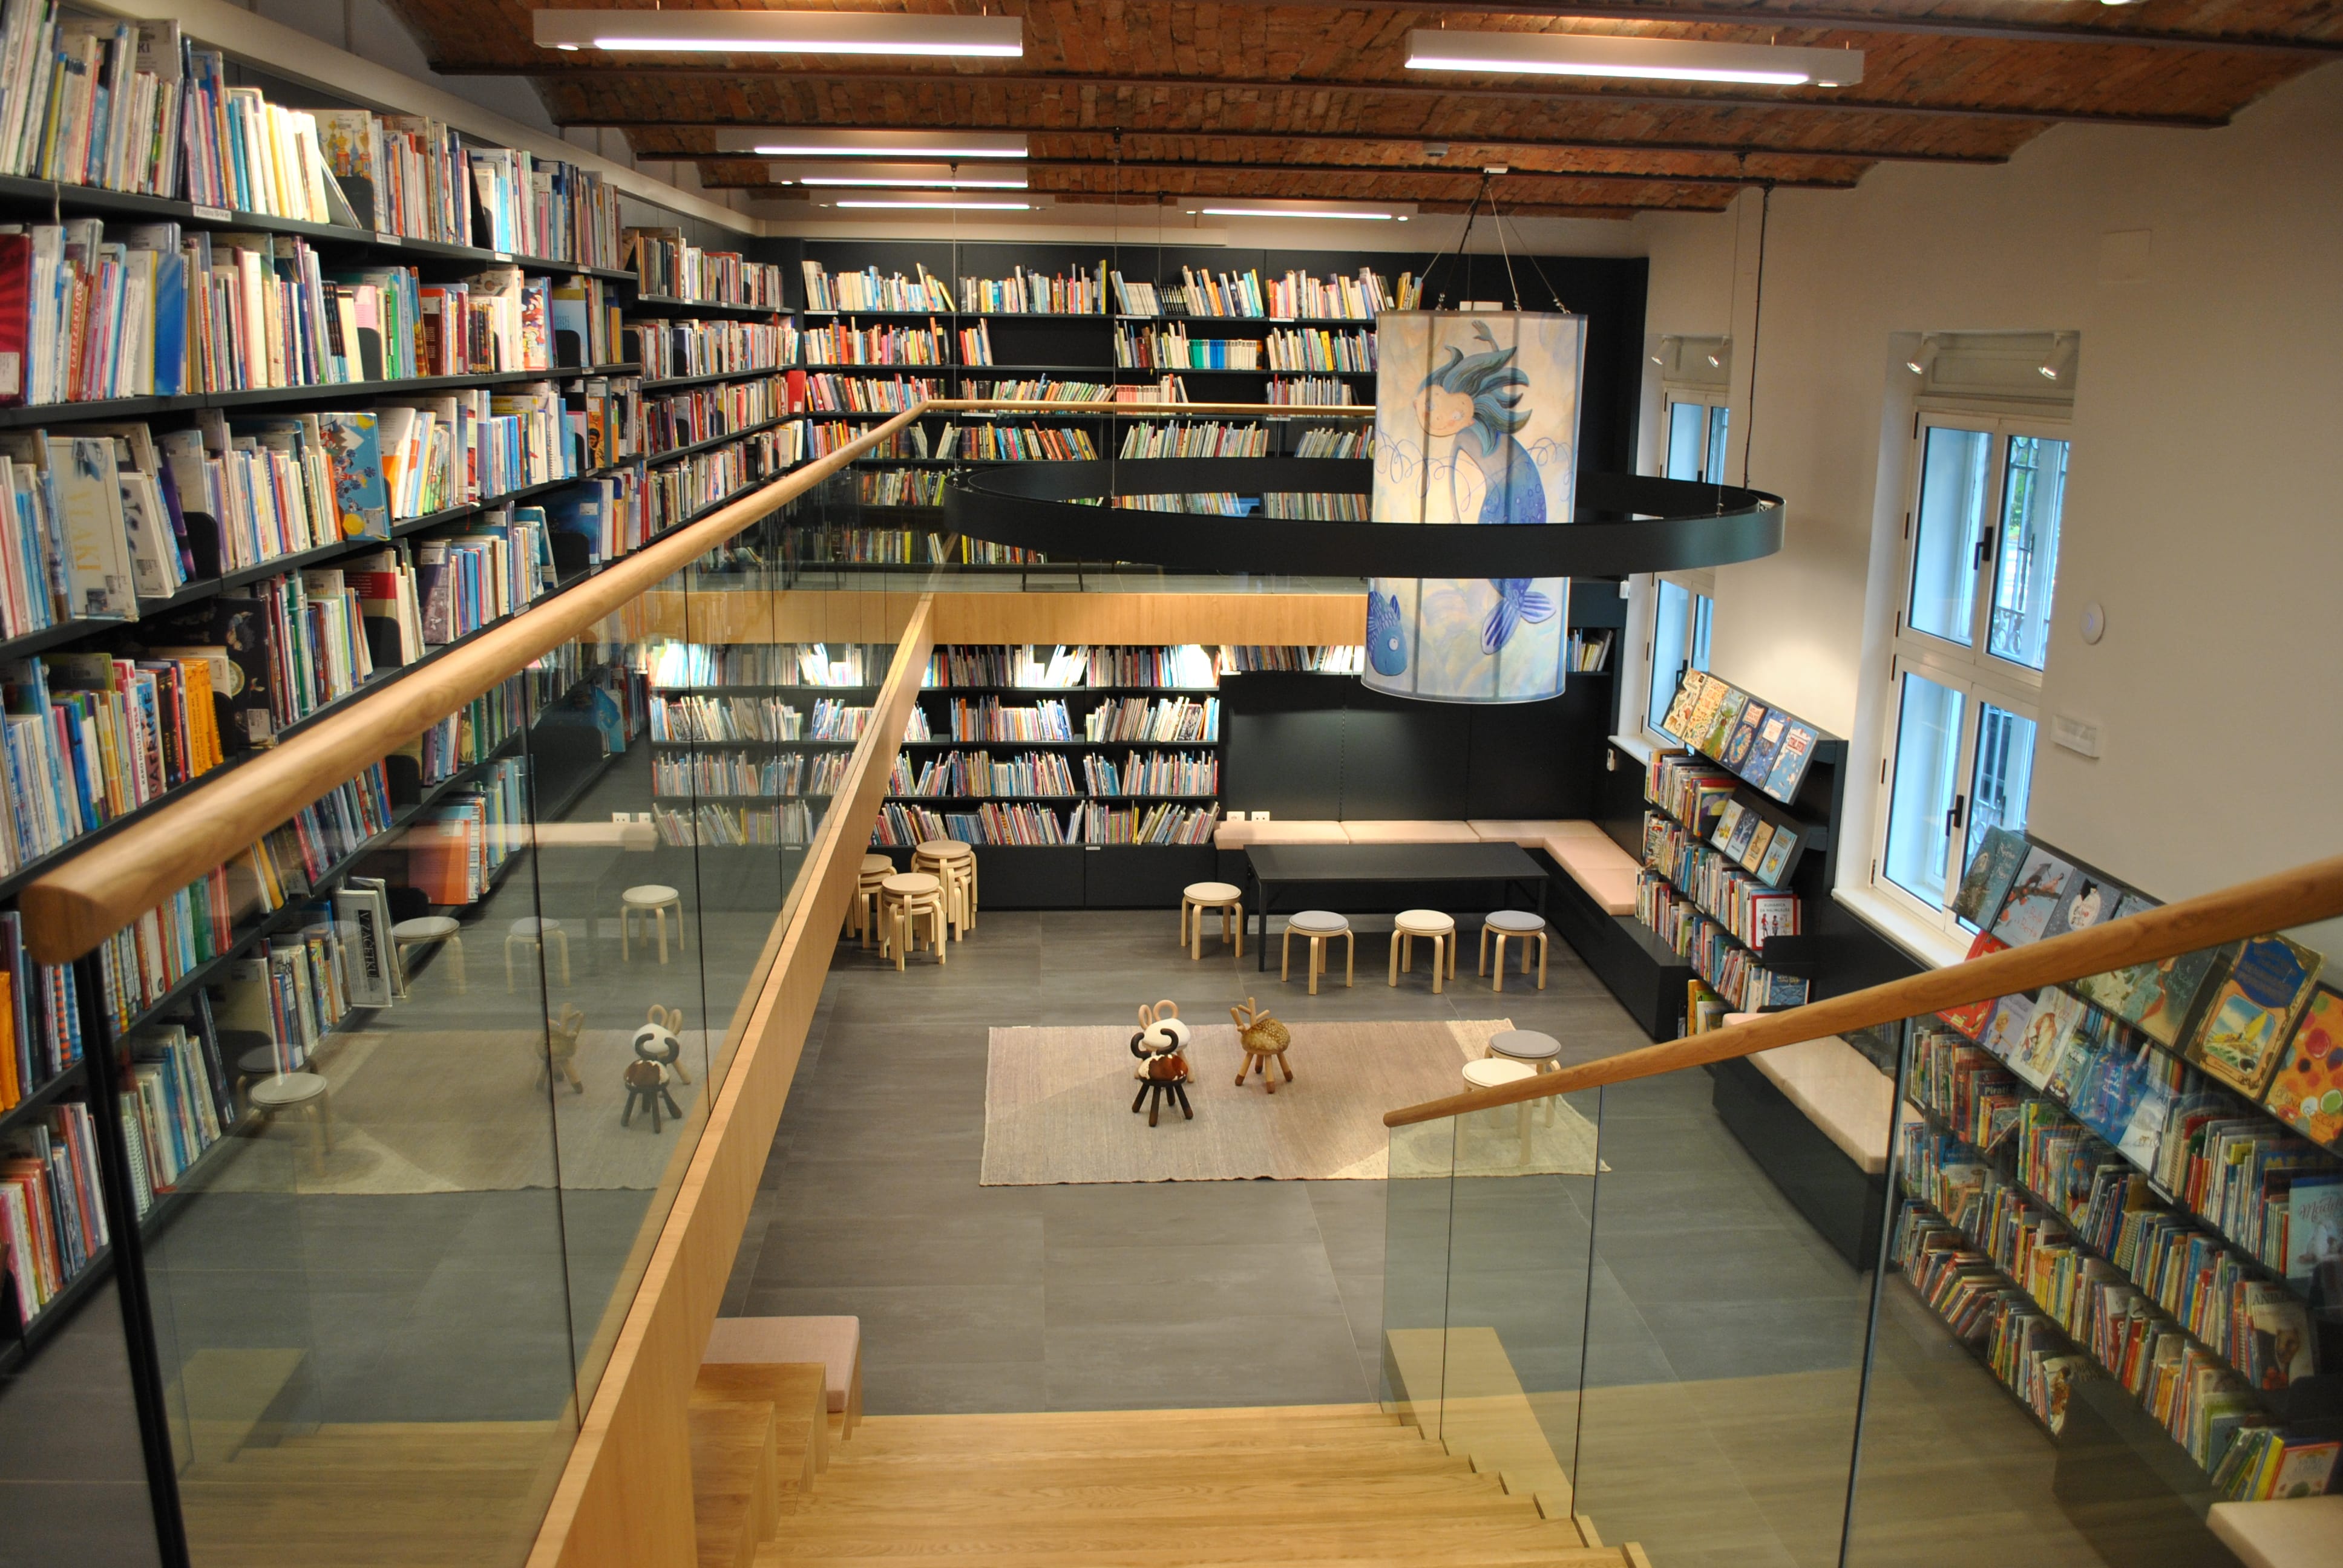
(2205, 504)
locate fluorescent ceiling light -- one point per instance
(955, 202)
(1650, 59)
(926, 176)
(1240, 207)
(823, 142)
(780, 33)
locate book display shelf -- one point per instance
(1042, 322)
(274, 433)
(2126, 1195)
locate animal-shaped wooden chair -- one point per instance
(1161, 1047)
(657, 1053)
(662, 1031)
(1264, 1040)
(561, 1048)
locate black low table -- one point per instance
(1287, 865)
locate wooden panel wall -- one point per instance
(625, 1499)
(702, 616)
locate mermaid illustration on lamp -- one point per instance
(1476, 399)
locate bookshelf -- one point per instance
(564, 457)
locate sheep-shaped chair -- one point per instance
(1161, 1047)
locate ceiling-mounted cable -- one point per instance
(1756, 319)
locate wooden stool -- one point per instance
(1519, 924)
(1321, 926)
(862, 920)
(953, 864)
(1540, 1051)
(304, 1091)
(424, 931)
(1198, 896)
(650, 901)
(1492, 1071)
(535, 931)
(902, 902)
(1435, 928)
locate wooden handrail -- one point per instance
(2291, 897)
(71, 909)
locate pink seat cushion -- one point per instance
(1405, 832)
(1607, 871)
(1237, 835)
(1534, 835)
(1838, 1089)
(835, 1343)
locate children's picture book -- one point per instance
(1744, 735)
(2033, 898)
(2306, 1093)
(1687, 697)
(2006, 1027)
(1720, 725)
(1789, 769)
(1991, 870)
(1703, 712)
(2157, 999)
(1777, 858)
(1754, 855)
(2037, 1053)
(1728, 822)
(2252, 1012)
(1971, 1020)
(1743, 832)
(2086, 901)
(1764, 749)
(353, 446)
(2314, 1233)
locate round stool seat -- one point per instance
(649, 893)
(1492, 1071)
(942, 850)
(1420, 921)
(878, 864)
(1525, 1045)
(912, 885)
(534, 926)
(1317, 921)
(424, 929)
(287, 1088)
(1211, 893)
(260, 1061)
(1515, 921)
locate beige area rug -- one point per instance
(452, 1111)
(1056, 1108)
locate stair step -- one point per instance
(858, 1490)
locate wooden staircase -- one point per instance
(1342, 1486)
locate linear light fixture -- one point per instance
(827, 142)
(1238, 207)
(1649, 59)
(925, 176)
(780, 33)
(955, 203)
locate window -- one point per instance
(1680, 622)
(1696, 441)
(1972, 631)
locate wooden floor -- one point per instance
(1338, 1486)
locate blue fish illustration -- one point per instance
(1516, 602)
(1386, 638)
(1477, 398)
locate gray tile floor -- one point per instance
(1123, 1296)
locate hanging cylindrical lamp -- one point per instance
(1476, 425)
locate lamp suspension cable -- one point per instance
(1756, 319)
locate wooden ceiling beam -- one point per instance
(1346, 138)
(1153, 166)
(1076, 81)
(1933, 25)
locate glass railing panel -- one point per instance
(1518, 1276)
(2113, 1294)
(73, 1479)
(1418, 1193)
(1728, 1303)
(345, 1168)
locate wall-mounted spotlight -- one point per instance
(1920, 363)
(2062, 357)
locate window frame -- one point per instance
(1714, 441)
(1982, 678)
(1699, 628)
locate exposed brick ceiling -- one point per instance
(1141, 99)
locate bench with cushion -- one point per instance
(1817, 1118)
(2285, 1533)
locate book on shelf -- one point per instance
(183, 1095)
(91, 102)
(2307, 1090)
(40, 1016)
(52, 1218)
(1032, 293)
(668, 349)
(867, 290)
(667, 265)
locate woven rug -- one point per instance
(1056, 1108)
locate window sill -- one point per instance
(1641, 750)
(1925, 944)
